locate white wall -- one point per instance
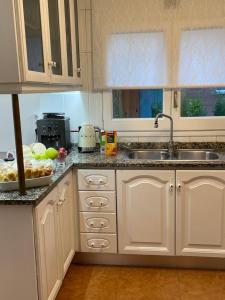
(79, 107)
(29, 106)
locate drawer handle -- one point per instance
(92, 245)
(100, 181)
(91, 203)
(102, 224)
(90, 181)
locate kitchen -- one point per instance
(148, 222)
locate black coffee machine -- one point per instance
(54, 130)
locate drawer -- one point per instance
(97, 222)
(101, 243)
(96, 180)
(97, 201)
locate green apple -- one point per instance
(44, 156)
(37, 156)
(51, 153)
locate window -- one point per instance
(137, 103)
(135, 110)
(202, 102)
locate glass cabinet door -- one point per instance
(72, 41)
(34, 38)
(55, 37)
(67, 7)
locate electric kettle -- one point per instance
(86, 138)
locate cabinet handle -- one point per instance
(101, 203)
(92, 224)
(171, 187)
(91, 203)
(52, 64)
(179, 187)
(102, 224)
(100, 181)
(92, 245)
(90, 181)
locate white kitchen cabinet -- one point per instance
(55, 226)
(66, 221)
(146, 212)
(39, 45)
(48, 247)
(200, 211)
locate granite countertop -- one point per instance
(120, 161)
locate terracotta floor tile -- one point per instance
(128, 283)
(201, 285)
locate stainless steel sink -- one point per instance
(162, 154)
(156, 154)
(196, 155)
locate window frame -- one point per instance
(183, 126)
(134, 124)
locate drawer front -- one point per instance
(97, 222)
(96, 180)
(100, 243)
(97, 201)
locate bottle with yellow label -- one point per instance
(111, 143)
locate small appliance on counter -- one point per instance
(54, 130)
(87, 138)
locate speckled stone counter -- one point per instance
(121, 161)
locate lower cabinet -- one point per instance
(200, 213)
(146, 212)
(55, 225)
(50, 277)
(66, 221)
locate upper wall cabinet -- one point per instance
(39, 45)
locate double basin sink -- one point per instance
(161, 154)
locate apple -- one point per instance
(51, 153)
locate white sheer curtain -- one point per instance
(136, 60)
(158, 43)
(202, 57)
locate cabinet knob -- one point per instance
(179, 187)
(91, 203)
(101, 203)
(92, 245)
(103, 245)
(171, 187)
(52, 64)
(102, 224)
(92, 224)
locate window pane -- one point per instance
(137, 103)
(202, 102)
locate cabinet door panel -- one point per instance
(146, 212)
(55, 36)
(200, 213)
(66, 221)
(48, 243)
(34, 41)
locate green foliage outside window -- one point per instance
(220, 106)
(192, 107)
(156, 108)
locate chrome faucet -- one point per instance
(171, 143)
